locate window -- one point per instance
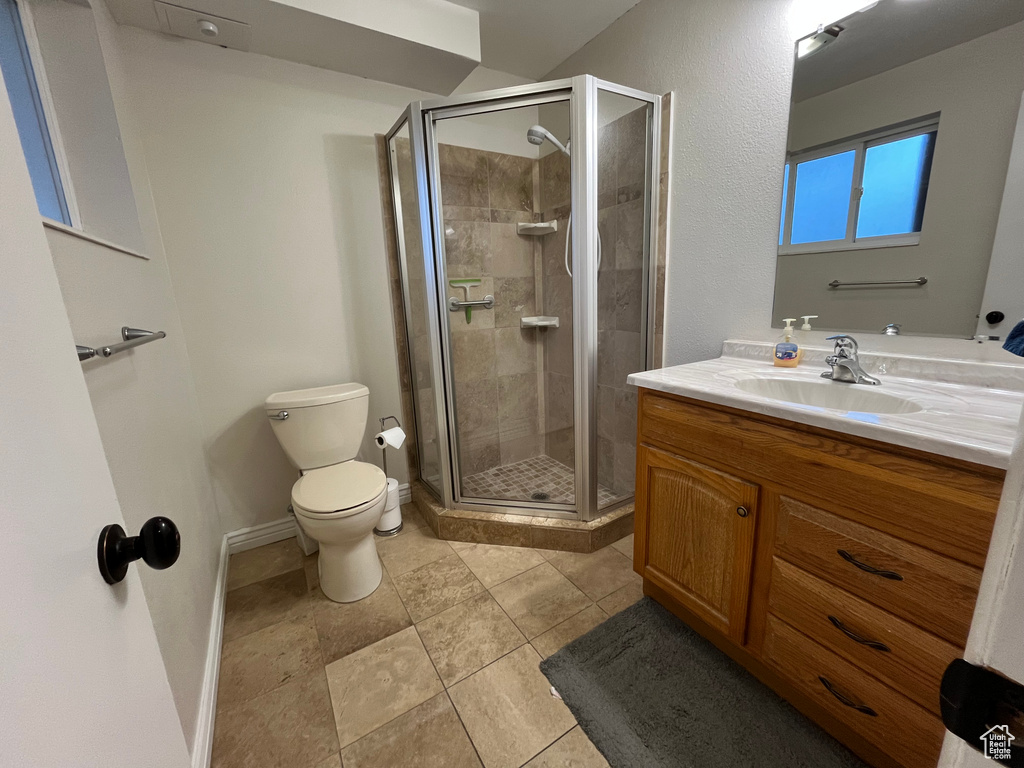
(867, 192)
(29, 115)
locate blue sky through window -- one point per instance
(821, 204)
(28, 115)
(785, 198)
(894, 187)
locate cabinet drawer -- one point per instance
(898, 653)
(924, 588)
(887, 719)
(941, 504)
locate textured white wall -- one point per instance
(729, 66)
(264, 177)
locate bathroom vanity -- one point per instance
(833, 551)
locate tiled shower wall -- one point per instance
(496, 365)
(527, 276)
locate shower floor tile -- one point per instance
(524, 480)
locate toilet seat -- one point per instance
(339, 490)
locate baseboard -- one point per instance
(202, 745)
(258, 535)
(232, 543)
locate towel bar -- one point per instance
(133, 337)
(918, 281)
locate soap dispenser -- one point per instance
(801, 339)
(787, 354)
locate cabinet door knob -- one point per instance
(742, 511)
(157, 545)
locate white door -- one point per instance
(82, 683)
(1006, 269)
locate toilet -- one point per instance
(338, 501)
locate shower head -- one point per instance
(537, 135)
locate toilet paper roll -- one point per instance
(393, 438)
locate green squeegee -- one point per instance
(465, 283)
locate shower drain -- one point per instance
(540, 496)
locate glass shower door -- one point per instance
(503, 193)
(416, 289)
(623, 284)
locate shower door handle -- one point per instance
(454, 304)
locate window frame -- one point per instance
(37, 73)
(859, 144)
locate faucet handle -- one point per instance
(846, 345)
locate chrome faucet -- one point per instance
(845, 363)
(892, 329)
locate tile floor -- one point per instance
(439, 667)
(521, 480)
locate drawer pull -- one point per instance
(891, 575)
(857, 638)
(742, 511)
(844, 700)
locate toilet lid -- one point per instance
(338, 487)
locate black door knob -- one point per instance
(157, 545)
(994, 317)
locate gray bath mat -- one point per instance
(649, 691)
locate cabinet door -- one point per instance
(697, 528)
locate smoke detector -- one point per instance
(184, 22)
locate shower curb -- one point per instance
(522, 530)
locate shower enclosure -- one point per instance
(526, 219)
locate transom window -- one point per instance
(31, 113)
(864, 192)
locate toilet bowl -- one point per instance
(337, 501)
(349, 567)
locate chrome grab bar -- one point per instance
(454, 305)
(918, 281)
(133, 337)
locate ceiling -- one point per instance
(896, 32)
(529, 38)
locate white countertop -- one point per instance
(964, 421)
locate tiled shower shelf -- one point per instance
(541, 321)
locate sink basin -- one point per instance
(857, 398)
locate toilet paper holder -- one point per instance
(384, 449)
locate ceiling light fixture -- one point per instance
(208, 28)
(814, 43)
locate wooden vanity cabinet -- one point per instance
(841, 571)
(700, 534)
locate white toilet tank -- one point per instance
(320, 426)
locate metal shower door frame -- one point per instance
(586, 122)
(582, 93)
(463, 106)
(412, 118)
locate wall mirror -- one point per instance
(905, 131)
